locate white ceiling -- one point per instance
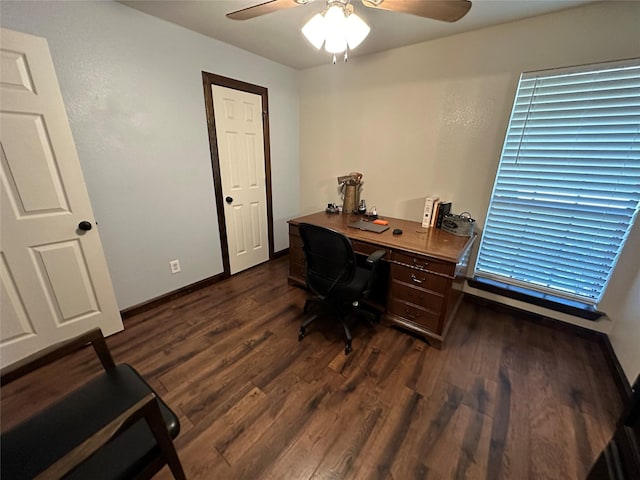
(277, 35)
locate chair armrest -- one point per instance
(56, 351)
(147, 408)
(375, 257)
(372, 264)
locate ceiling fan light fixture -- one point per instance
(338, 28)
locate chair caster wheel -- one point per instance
(301, 334)
(347, 349)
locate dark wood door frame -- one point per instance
(208, 80)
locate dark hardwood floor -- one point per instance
(504, 398)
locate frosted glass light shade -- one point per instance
(335, 24)
(314, 30)
(357, 30)
(336, 29)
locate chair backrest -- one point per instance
(329, 257)
(112, 426)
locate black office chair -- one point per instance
(112, 427)
(334, 277)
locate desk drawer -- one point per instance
(414, 314)
(367, 249)
(296, 256)
(295, 242)
(298, 271)
(420, 278)
(417, 296)
(424, 263)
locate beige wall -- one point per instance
(430, 118)
(622, 303)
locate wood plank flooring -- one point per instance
(505, 398)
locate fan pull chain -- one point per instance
(346, 56)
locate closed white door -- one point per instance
(239, 131)
(55, 282)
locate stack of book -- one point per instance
(434, 211)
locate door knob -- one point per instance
(228, 199)
(84, 225)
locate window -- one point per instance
(568, 184)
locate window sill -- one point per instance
(559, 304)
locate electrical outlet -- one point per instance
(175, 266)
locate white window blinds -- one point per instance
(568, 184)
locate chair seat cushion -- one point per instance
(354, 289)
(40, 441)
(347, 292)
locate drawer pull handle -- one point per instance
(409, 315)
(416, 279)
(417, 263)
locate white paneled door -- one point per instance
(239, 131)
(55, 282)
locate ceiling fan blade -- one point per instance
(264, 8)
(444, 10)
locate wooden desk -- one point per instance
(427, 268)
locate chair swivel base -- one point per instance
(347, 332)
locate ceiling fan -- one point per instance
(339, 29)
(443, 10)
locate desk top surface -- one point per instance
(434, 242)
